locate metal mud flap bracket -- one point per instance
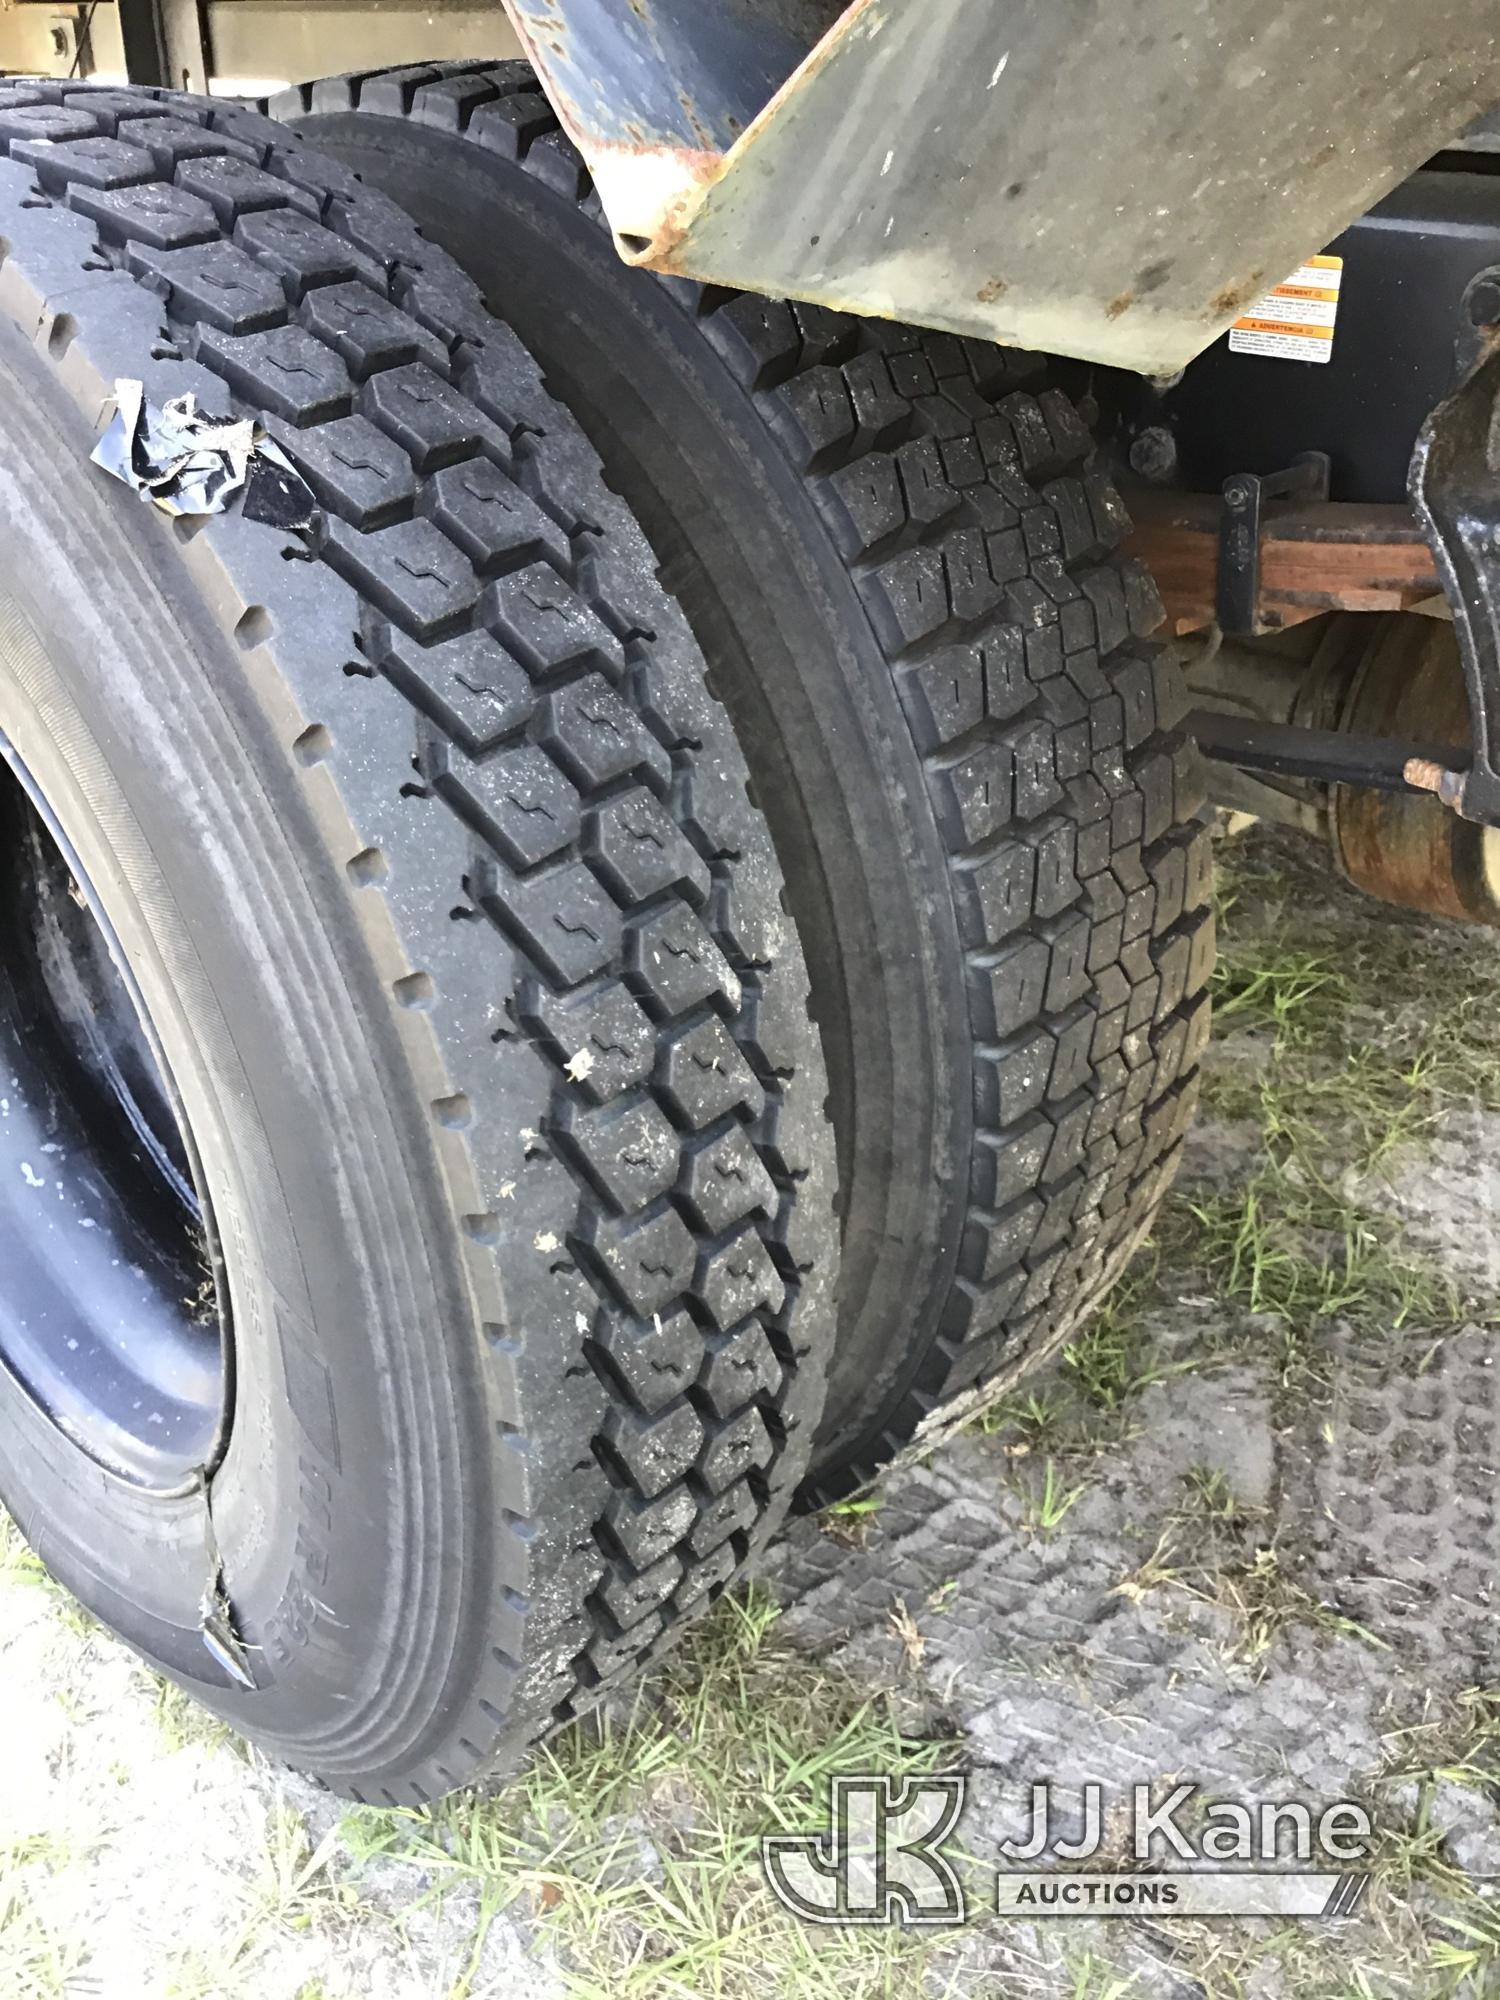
(1454, 485)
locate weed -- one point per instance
(19, 1562)
(1113, 1358)
(1212, 1550)
(1209, 1493)
(183, 1723)
(1085, 1408)
(631, 1844)
(1336, 1096)
(1277, 990)
(907, 1630)
(1048, 1505)
(295, 1887)
(850, 1521)
(36, 1962)
(1092, 1981)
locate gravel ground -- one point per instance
(1244, 1532)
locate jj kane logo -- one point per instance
(882, 1859)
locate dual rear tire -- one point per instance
(902, 560)
(504, 994)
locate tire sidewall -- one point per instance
(351, 1443)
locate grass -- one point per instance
(1092, 1981)
(1087, 1406)
(297, 1884)
(1302, 952)
(1332, 1065)
(182, 1723)
(1454, 1741)
(1334, 1057)
(1332, 1062)
(1218, 1551)
(1299, 1239)
(1342, 991)
(1278, 991)
(850, 1521)
(631, 1845)
(36, 1962)
(1047, 1502)
(1292, 1247)
(19, 1562)
(1466, 1750)
(1425, 1931)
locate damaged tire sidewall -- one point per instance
(349, 1446)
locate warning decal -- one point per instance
(1295, 321)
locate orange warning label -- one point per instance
(1295, 321)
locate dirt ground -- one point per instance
(1244, 1532)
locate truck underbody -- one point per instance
(1119, 193)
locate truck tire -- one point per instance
(408, 852)
(903, 567)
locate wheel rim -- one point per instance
(111, 1296)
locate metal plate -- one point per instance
(1114, 182)
(1407, 265)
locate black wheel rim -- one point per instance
(112, 1315)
